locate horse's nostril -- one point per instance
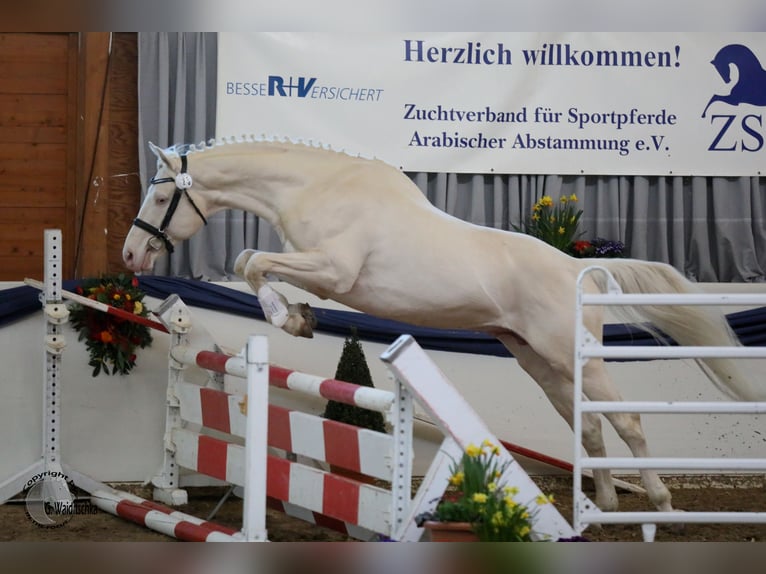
(128, 256)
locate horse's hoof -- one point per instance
(678, 527)
(297, 327)
(308, 314)
(306, 331)
(302, 320)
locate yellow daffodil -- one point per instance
(472, 450)
(480, 497)
(542, 499)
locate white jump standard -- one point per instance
(588, 347)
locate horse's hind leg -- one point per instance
(559, 390)
(598, 387)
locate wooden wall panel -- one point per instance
(68, 157)
(36, 117)
(21, 241)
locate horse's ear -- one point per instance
(160, 153)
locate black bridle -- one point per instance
(182, 184)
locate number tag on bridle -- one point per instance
(184, 181)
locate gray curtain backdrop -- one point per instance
(710, 228)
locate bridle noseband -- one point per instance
(183, 182)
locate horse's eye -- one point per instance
(162, 200)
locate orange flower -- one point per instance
(106, 337)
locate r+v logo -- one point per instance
(300, 86)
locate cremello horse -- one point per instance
(359, 232)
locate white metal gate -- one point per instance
(587, 347)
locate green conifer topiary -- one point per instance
(352, 368)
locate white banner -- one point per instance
(574, 103)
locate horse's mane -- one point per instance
(249, 139)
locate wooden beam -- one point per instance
(92, 161)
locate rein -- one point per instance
(183, 182)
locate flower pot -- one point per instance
(449, 532)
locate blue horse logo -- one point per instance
(751, 84)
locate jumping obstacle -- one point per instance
(361, 510)
(365, 511)
(301, 489)
(587, 347)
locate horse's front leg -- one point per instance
(314, 271)
(295, 318)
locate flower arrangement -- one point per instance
(557, 224)
(490, 507)
(554, 223)
(599, 247)
(111, 340)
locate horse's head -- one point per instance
(721, 64)
(166, 216)
(741, 57)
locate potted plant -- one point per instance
(353, 368)
(598, 247)
(479, 508)
(558, 225)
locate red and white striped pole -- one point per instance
(161, 518)
(379, 400)
(103, 307)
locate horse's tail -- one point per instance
(688, 325)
